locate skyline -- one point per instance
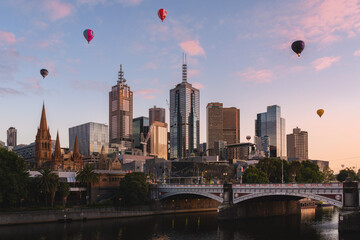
(238, 54)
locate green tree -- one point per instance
(48, 183)
(345, 173)
(87, 176)
(274, 168)
(293, 171)
(309, 172)
(255, 175)
(14, 178)
(64, 190)
(328, 175)
(134, 189)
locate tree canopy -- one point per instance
(13, 178)
(133, 189)
(347, 173)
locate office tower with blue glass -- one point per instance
(184, 118)
(272, 125)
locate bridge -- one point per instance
(331, 193)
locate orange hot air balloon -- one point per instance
(320, 112)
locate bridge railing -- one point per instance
(190, 186)
(290, 185)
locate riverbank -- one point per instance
(76, 214)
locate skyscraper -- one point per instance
(223, 124)
(121, 113)
(156, 114)
(43, 143)
(271, 124)
(297, 145)
(214, 118)
(184, 118)
(140, 130)
(158, 139)
(11, 137)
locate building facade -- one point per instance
(91, 136)
(156, 114)
(11, 137)
(140, 130)
(272, 125)
(121, 113)
(43, 143)
(223, 124)
(158, 139)
(214, 117)
(297, 145)
(184, 118)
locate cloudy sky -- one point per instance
(238, 53)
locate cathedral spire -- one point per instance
(57, 144)
(43, 124)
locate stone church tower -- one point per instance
(57, 157)
(43, 143)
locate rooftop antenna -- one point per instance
(184, 69)
(121, 75)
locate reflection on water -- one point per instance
(312, 224)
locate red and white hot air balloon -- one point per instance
(88, 34)
(162, 14)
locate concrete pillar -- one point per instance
(349, 217)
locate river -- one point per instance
(312, 224)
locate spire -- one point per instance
(43, 124)
(76, 147)
(121, 75)
(184, 69)
(57, 144)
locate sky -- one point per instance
(238, 53)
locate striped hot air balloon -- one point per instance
(88, 34)
(162, 14)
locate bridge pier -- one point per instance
(349, 216)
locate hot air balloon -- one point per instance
(298, 47)
(88, 34)
(162, 14)
(320, 112)
(248, 138)
(44, 72)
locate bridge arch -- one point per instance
(301, 195)
(205, 194)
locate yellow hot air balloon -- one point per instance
(320, 112)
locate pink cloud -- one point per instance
(50, 66)
(123, 2)
(197, 85)
(150, 65)
(357, 53)
(321, 21)
(193, 72)
(7, 38)
(31, 85)
(147, 93)
(193, 48)
(325, 62)
(8, 91)
(57, 9)
(256, 76)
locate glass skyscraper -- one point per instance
(91, 136)
(140, 130)
(184, 118)
(271, 124)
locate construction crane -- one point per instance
(145, 141)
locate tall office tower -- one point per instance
(121, 113)
(271, 124)
(11, 137)
(140, 130)
(158, 139)
(156, 114)
(184, 118)
(91, 137)
(223, 124)
(231, 125)
(297, 145)
(43, 143)
(214, 117)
